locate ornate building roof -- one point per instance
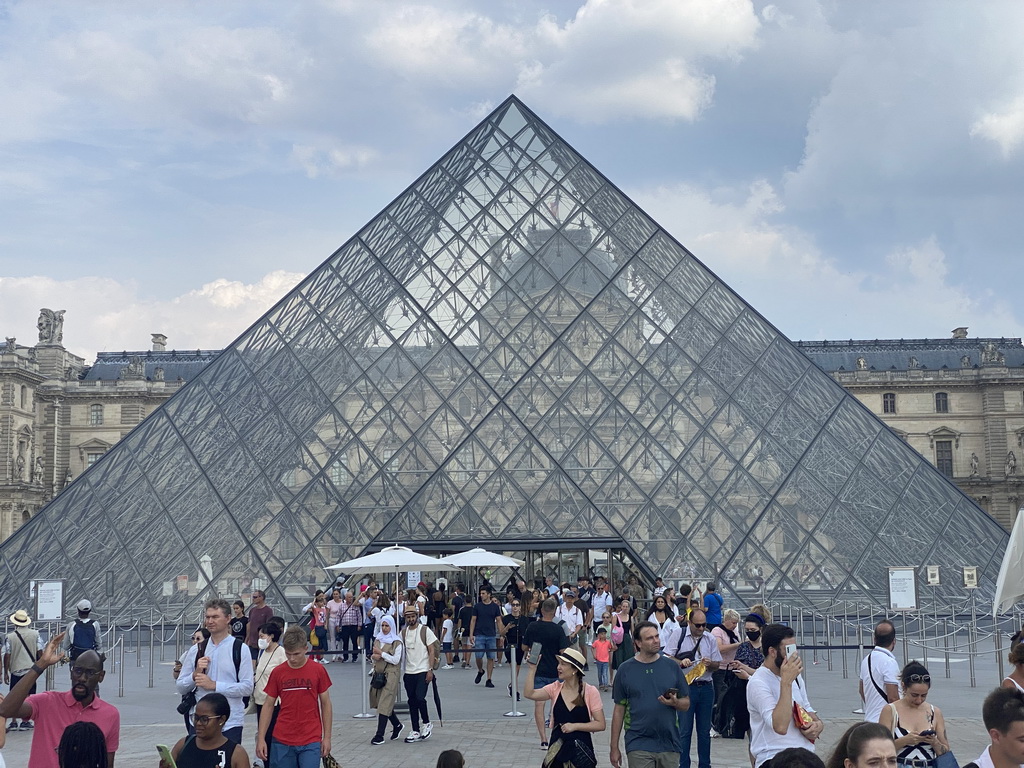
(912, 354)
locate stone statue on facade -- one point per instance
(990, 353)
(12, 343)
(862, 364)
(19, 468)
(135, 370)
(51, 326)
(37, 471)
(1011, 464)
(158, 374)
(67, 478)
(914, 363)
(965, 361)
(974, 464)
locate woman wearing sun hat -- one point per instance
(23, 646)
(577, 709)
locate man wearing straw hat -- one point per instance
(21, 650)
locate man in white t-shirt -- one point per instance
(418, 641)
(1003, 715)
(571, 615)
(880, 673)
(771, 692)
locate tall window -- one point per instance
(92, 458)
(941, 402)
(95, 414)
(889, 402)
(944, 457)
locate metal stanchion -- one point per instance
(120, 678)
(152, 656)
(904, 643)
(999, 645)
(365, 691)
(945, 643)
(515, 688)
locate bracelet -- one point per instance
(38, 670)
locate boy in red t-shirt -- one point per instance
(302, 734)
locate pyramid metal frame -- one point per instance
(511, 352)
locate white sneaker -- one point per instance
(448, 666)
(412, 738)
(426, 730)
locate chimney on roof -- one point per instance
(159, 342)
(960, 333)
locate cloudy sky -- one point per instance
(852, 169)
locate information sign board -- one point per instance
(902, 589)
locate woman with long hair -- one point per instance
(917, 727)
(863, 745)
(387, 660)
(318, 625)
(1016, 678)
(202, 749)
(577, 710)
(271, 656)
(668, 627)
(622, 627)
(733, 720)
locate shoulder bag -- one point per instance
(188, 700)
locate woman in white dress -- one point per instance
(1016, 678)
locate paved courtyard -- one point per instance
(474, 721)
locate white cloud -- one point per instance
(780, 271)
(317, 161)
(1005, 128)
(104, 314)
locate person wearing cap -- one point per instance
(418, 643)
(82, 634)
(571, 614)
(577, 710)
(21, 649)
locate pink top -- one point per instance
(335, 609)
(723, 636)
(591, 696)
(53, 711)
(602, 650)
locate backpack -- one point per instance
(436, 645)
(236, 656)
(84, 638)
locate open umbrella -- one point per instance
(482, 558)
(395, 558)
(1010, 584)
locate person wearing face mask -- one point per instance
(733, 719)
(271, 656)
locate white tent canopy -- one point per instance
(482, 558)
(1010, 584)
(394, 558)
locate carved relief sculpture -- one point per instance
(51, 326)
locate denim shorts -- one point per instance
(486, 643)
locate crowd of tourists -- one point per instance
(683, 666)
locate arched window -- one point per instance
(95, 415)
(941, 402)
(889, 402)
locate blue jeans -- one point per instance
(284, 756)
(602, 672)
(487, 644)
(702, 701)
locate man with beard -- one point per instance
(53, 711)
(773, 690)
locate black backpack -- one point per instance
(84, 637)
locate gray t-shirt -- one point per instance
(650, 725)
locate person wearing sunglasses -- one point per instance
(917, 727)
(209, 746)
(698, 655)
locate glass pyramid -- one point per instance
(511, 354)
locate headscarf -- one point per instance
(387, 637)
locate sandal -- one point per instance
(543, 745)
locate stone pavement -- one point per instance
(474, 722)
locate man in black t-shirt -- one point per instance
(553, 640)
(483, 634)
(465, 616)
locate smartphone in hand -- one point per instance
(534, 655)
(790, 649)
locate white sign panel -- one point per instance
(412, 578)
(970, 577)
(933, 575)
(903, 589)
(49, 600)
